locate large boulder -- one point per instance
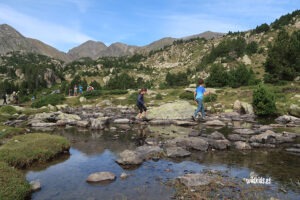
(177, 152)
(99, 123)
(174, 110)
(294, 110)
(242, 145)
(128, 157)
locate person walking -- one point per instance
(199, 93)
(141, 104)
(4, 96)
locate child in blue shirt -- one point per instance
(199, 93)
(141, 104)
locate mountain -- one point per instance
(12, 40)
(90, 49)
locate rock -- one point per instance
(216, 136)
(185, 123)
(82, 123)
(237, 106)
(219, 144)
(63, 106)
(175, 110)
(215, 123)
(268, 137)
(121, 121)
(244, 131)
(82, 99)
(247, 108)
(124, 175)
(101, 176)
(294, 110)
(265, 128)
(43, 124)
(177, 152)
(293, 150)
(148, 152)
(259, 145)
(242, 145)
(236, 137)
(99, 123)
(128, 157)
(194, 133)
(192, 180)
(161, 122)
(64, 116)
(192, 143)
(35, 185)
(192, 90)
(286, 119)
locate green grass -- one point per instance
(24, 150)
(8, 110)
(7, 131)
(13, 185)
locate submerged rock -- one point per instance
(191, 180)
(35, 185)
(101, 176)
(177, 152)
(129, 157)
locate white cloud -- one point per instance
(53, 34)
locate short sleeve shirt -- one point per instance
(200, 92)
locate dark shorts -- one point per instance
(142, 107)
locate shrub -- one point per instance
(263, 101)
(92, 94)
(187, 96)
(52, 99)
(210, 98)
(158, 97)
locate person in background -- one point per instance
(75, 90)
(141, 104)
(80, 89)
(199, 93)
(4, 96)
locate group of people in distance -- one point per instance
(14, 95)
(199, 94)
(79, 90)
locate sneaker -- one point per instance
(193, 118)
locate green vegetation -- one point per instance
(285, 20)
(261, 29)
(8, 110)
(13, 183)
(263, 101)
(7, 131)
(52, 99)
(24, 150)
(210, 98)
(236, 77)
(179, 79)
(283, 61)
(186, 96)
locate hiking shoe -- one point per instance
(193, 118)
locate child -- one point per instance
(140, 103)
(199, 93)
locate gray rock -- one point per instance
(192, 143)
(247, 108)
(215, 123)
(265, 128)
(177, 152)
(82, 123)
(43, 124)
(192, 180)
(194, 133)
(268, 137)
(128, 157)
(219, 144)
(161, 122)
(293, 150)
(99, 123)
(242, 145)
(216, 136)
(185, 123)
(259, 145)
(148, 152)
(101, 176)
(236, 137)
(35, 185)
(286, 119)
(121, 121)
(294, 110)
(244, 131)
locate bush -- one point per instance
(52, 99)
(263, 101)
(210, 98)
(8, 109)
(158, 97)
(187, 96)
(92, 94)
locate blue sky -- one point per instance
(65, 24)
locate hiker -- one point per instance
(80, 89)
(4, 96)
(75, 90)
(140, 103)
(199, 93)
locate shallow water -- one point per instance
(94, 151)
